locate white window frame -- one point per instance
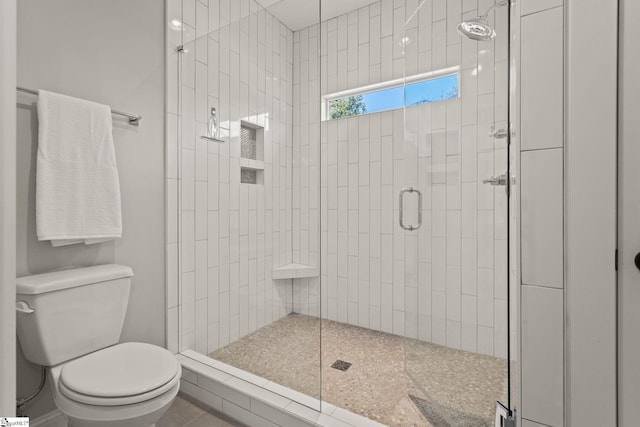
(389, 84)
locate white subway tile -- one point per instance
(485, 340)
(533, 6)
(469, 333)
(542, 354)
(201, 270)
(542, 213)
(542, 80)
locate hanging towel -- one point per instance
(77, 186)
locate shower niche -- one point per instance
(251, 153)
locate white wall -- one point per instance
(109, 52)
(230, 237)
(541, 185)
(7, 206)
(591, 216)
(445, 283)
(628, 220)
(568, 190)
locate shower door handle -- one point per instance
(402, 193)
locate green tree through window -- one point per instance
(345, 107)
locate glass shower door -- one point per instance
(450, 227)
(242, 302)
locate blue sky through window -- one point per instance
(432, 90)
(386, 99)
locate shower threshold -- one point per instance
(256, 401)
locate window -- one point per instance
(391, 95)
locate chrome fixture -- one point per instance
(212, 126)
(498, 133)
(402, 192)
(134, 119)
(479, 28)
(496, 180)
(499, 180)
(213, 131)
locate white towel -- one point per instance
(77, 187)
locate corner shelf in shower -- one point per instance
(295, 271)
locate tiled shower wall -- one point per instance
(224, 237)
(445, 283)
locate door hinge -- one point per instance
(616, 260)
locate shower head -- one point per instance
(479, 28)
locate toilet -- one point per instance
(70, 321)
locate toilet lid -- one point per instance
(126, 369)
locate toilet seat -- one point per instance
(123, 374)
(140, 414)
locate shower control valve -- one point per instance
(496, 180)
(498, 133)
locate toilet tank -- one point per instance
(66, 314)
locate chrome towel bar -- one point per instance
(134, 119)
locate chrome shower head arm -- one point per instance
(494, 6)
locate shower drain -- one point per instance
(341, 365)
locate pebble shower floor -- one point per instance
(446, 387)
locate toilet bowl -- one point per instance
(70, 321)
(128, 385)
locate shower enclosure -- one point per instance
(341, 229)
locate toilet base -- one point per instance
(138, 422)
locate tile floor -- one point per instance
(183, 412)
(186, 412)
(392, 380)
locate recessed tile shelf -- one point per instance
(251, 153)
(251, 164)
(251, 171)
(295, 271)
